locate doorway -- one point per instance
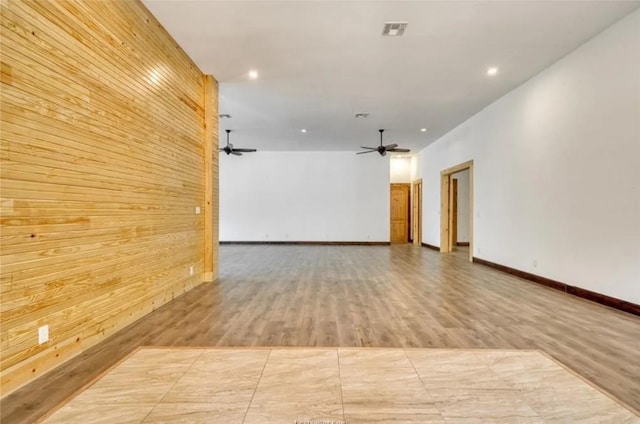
(459, 205)
(416, 212)
(449, 201)
(400, 217)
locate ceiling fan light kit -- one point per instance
(382, 149)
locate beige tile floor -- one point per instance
(337, 385)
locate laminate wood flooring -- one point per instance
(364, 296)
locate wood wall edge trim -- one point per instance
(603, 299)
(208, 142)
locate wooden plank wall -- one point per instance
(103, 165)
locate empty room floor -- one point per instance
(365, 296)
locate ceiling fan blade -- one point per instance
(368, 148)
(222, 150)
(235, 152)
(390, 146)
(399, 150)
(240, 149)
(368, 151)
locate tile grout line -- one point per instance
(509, 386)
(340, 381)
(171, 388)
(521, 389)
(424, 386)
(244, 417)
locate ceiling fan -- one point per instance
(382, 150)
(238, 151)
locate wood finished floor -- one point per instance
(398, 296)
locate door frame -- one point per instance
(445, 210)
(416, 211)
(453, 216)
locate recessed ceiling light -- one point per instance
(423, 129)
(253, 74)
(303, 130)
(492, 71)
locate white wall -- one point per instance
(463, 204)
(304, 196)
(415, 168)
(557, 169)
(400, 169)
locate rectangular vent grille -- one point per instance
(224, 115)
(394, 29)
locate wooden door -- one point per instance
(454, 212)
(416, 215)
(400, 213)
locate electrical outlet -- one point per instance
(191, 270)
(43, 334)
(197, 210)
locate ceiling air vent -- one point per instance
(361, 115)
(224, 115)
(394, 29)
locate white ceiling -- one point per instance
(321, 62)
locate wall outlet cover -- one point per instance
(43, 334)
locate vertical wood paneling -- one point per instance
(109, 143)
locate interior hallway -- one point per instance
(354, 296)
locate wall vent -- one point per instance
(394, 29)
